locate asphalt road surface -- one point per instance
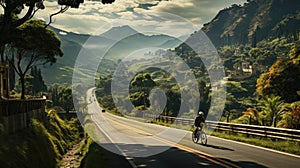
(140, 144)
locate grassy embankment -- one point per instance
(94, 156)
(42, 144)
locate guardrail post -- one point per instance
(250, 120)
(227, 118)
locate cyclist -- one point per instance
(199, 122)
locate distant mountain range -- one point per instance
(125, 39)
(119, 32)
(254, 21)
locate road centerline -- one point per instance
(179, 146)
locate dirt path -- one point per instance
(73, 157)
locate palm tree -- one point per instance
(272, 107)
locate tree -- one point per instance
(272, 107)
(294, 53)
(53, 90)
(283, 78)
(37, 82)
(173, 101)
(291, 119)
(295, 115)
(65, 98)
(9, 20)
(143, 82)
(33, 44)
(250, 116)
(61, 95)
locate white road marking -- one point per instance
(258, 147)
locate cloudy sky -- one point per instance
(165, 14)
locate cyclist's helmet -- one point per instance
(200, 113)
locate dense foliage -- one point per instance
(256, 78)
(42, 144)
(30, 48)
(253, 22)
(61, 95)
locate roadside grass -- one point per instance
(93, 156)
(42, 144)
(288, 146)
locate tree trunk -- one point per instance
(22, 79)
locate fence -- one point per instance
(262, 131)
(16, 114)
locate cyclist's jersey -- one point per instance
(198, 121)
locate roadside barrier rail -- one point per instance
(262, 131)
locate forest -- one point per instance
(261, 65)
(262, 84)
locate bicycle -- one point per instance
(200, 135)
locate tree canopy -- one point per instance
(33, 44)
(283, 78)
(144, 83)
(272, 107)
(33, 37)
(10, 20)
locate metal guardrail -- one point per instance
(261, 131)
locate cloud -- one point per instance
(93, 14)
(87, 19)
(197, 11)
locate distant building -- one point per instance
(4, 80)
(247, 67)
(245, 70)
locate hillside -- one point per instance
(254, 21)
(123, 39)
(42, 144)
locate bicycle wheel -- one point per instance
(203, 138)
(195, 138)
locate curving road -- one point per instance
(148, 145)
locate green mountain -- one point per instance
(71, 44)
(250, 39)
(254, 21)
(123, 41)
(140, 41)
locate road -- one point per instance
(150, 145)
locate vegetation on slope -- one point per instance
(41, 145)
(256, 20)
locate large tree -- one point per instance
(33, 44)
(10, 20)
(144, 83)
(283, 78)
